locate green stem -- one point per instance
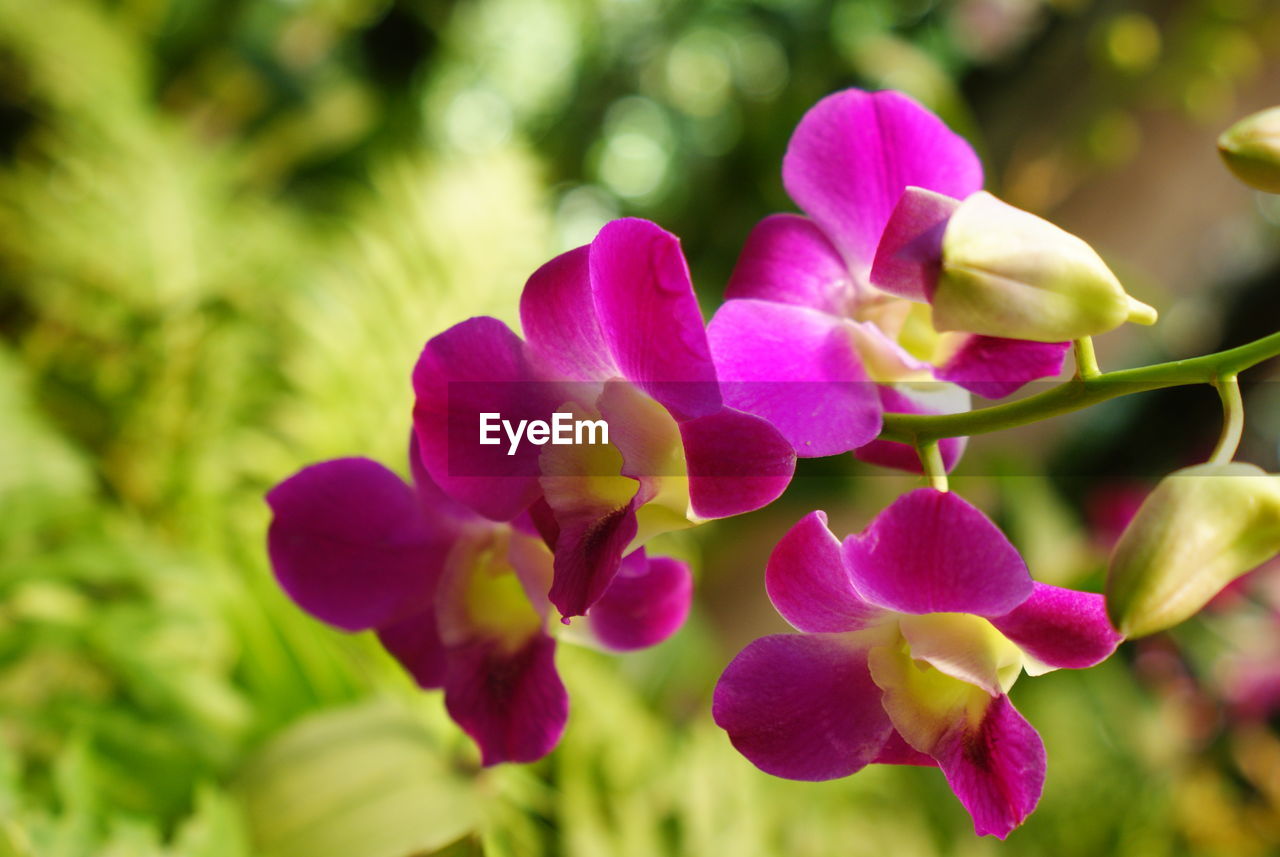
(920, 429)
(1232, 419)
(931, 463)
(1086, 360)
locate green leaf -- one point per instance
(368, 780)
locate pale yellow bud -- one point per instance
(1200, 529)
(1006, 272)
(1251, 149)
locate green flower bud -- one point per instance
(1200, 529)
(1006, 272)
(1251, 149)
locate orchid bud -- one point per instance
(1200, 529)
(1006, 272)
(1251, 149)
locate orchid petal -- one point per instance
(646, 602)
(994, 367)
(510, 701)
(896, 751)
(350, 544)
(928, 398)
(965, 647)
(1061, 627)
(649, 316)
(595, 511)
(415, 642)
(479, 366)
(809, 584)
(802, 706)
(933, 552)
(788, 260)
(908, 258)
(884, 359)
(854, 153)
(737, 463)
(993, 759)
(558, 315)
(798, 369)
(996, 769)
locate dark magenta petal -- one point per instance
(511, 703)
(896, 751)
(802, 706)
(435, 503)
(587, 554)
(788, 260)
(415, 642)
(798, 369)
(909, 255)
(479, 366)
(996, 770)
(646, 602)
(901, 456)
(649, 316)
(932, 552)
(855, 152)
(809, 584)
(350, 544)
(994, 367)
(1061, 627)
(558, 314)
(737, 463)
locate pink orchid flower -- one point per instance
(613, 332)
(459, 600)
(912, 634)
(828, 324)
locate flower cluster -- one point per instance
(903, 288)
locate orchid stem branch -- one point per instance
(1232, 419)
(1086, 359)
(931, 463)
(1077, 393)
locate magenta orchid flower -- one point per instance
(810, 321)
(912, 634)
(613, 333)
(459, 600)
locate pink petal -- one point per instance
(896, 751)
(511, 702)
(933, 552)
(737, 463)
(854, 153)
(350, 543)
(809, 584)
(558, 314)
(788, 260)
(802, 706)
(479, 366)
(646, 602)
(994, 367)
(587, 554)
(1061, 627)
(649, 316)
(996, 769)
(909, 256)
(798, 369)
(415, 642)
(906, 400)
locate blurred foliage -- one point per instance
(226, 228)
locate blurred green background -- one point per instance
(228, 226)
